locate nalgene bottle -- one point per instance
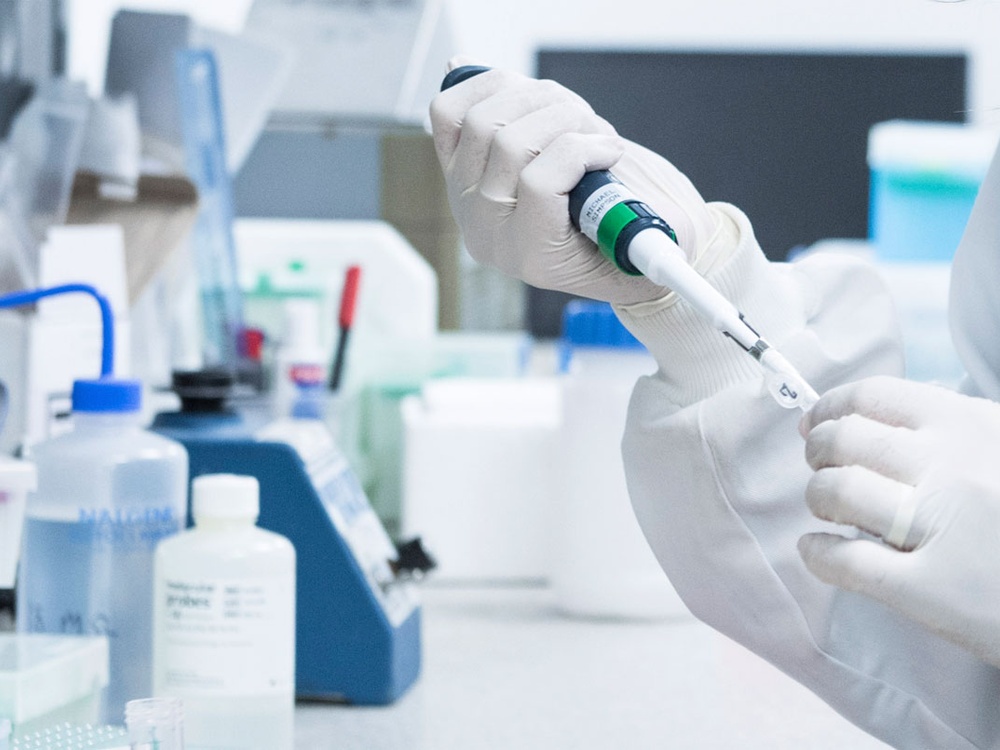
(108, 492)
(224, 627)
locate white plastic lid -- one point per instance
(947, 147)
(225, 496)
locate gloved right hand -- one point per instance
(915, 465)
(512, 148)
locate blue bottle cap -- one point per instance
(108, 395)
(588, 323)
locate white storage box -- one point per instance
(17, 479)
(51, 679)
(477, 475)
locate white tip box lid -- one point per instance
(40, 673)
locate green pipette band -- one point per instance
(614, 221)
(609, 233)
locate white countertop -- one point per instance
(502, 670)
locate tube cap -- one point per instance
(225, 496)
(107, 395)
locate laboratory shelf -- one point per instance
(503, 671)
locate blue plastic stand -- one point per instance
(347, 647)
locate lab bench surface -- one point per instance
(503, 671)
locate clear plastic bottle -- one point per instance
(108, 492)
(224, 629)
(155, 724)
(301, 363)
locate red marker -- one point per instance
(348, 304)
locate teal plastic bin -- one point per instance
(924, 180)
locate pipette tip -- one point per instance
(785, 384)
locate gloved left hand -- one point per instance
(918, 467)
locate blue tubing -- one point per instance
(17, 299)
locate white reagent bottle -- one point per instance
(224, 621)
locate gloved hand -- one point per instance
(919, 467)
(513, 147)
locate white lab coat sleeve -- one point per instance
(716, 474)
(974, 301)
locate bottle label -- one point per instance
(125, 528)
(597, 205)
(226, 637)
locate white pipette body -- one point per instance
(660, 260)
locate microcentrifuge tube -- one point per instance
(785, 384)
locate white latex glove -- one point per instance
(893, 453)
(512, 148)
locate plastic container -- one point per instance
(4, 734)
(48, 679)
(225, 621)
(44, 141)
(17, 479)
(477, 473)
(601, 565)
(74, 737)
(301, 363)
(108, 492)
(924, 180)
(155, 724)
(379, 420)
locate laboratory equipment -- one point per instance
(600, 563)
(306, 258)
(405, 45)
(357, 622)
(17, 479)
(32, 40)
(224, 621)
(74, 737)
(394, 329)
(638, 242)
(108, 491)
(49, 680)
(477, 479)
(155, 724)
(212, 239)
(37, 175)
(924, 180)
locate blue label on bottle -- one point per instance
(125, 527)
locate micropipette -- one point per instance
(639, 242)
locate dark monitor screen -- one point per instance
(783, 136)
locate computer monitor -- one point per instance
(782, 135)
